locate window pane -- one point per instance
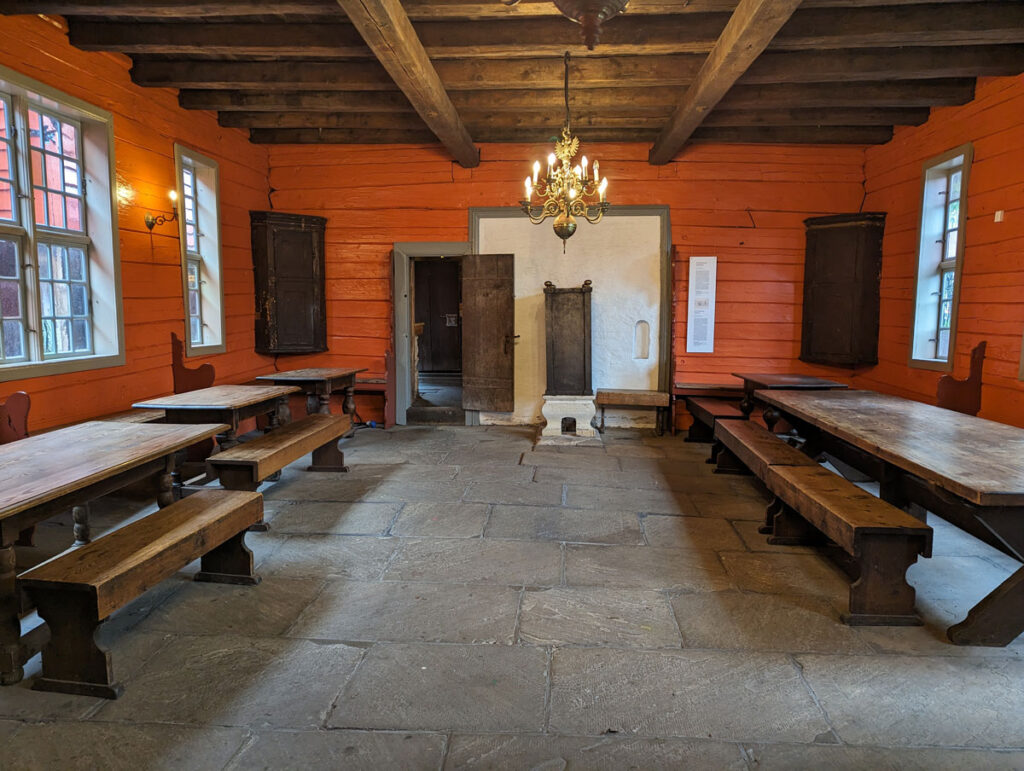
(74, 208)
(10, 299)
(6, 202)
(80, 335)
(55, 205)
(193, 275)
(953, 217)
(191, 242)
(54, 173)
(46, 298)
(954, 185)
(951, 238)
(39, 198)
(193, 303)
(942, 349)
(59, 262)
(69, 135)
(43, 252)
(61, 299)
(49, 339)
(14, 339)
(34, 133)
(72, 182)
(4, 113)
(63, 336)
(196, 328)
(948, 281)
(79, 302)
(8, 259)
(76, 263)
(945, 313)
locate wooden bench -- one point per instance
(77, 590)
(627, 397)
(706, 412)
(244, 466)
(880, 540)
(755, 448)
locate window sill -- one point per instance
(204, 350)
(936, 365)
(35, 369)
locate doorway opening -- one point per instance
(436, 366)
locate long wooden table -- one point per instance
(228, 404)
(968, 470)
(771, 381)
(318, 383)
(47, 474)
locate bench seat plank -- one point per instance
(632, 397)
(275, 450)
(757, 448)
(121, 565)
(839, 508)
(707, 410)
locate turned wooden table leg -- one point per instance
(747, 405)
(227, 440)
(324, 404)
(771, 416)
(169, 483)
(72, 661)
(83, 533)
(11, 670)
(348, 406)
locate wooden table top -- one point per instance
(42, 468)
(222, 397)
(776, 380)
(980, 460)
(313, 373)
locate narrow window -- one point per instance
(60, 305)
(198, 189)
(940, 258)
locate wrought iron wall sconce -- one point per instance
(153, 220)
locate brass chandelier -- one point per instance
(567, 191)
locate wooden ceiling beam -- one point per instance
(635, 72)
(543, 121)
(608, 101)
(416, 9)
(851, 135)
(386, 28)
(750, 29)
(973, 24)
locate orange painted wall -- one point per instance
(745, 204)
(992, 283)
(147, 123)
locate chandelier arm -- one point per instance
(568, 123)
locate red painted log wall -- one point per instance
(147, 123)
(992, 283)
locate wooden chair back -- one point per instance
(963, 395)
(14, 417)
(186, 378)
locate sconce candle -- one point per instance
(153, 220)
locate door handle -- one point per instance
(508, 340)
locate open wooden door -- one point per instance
(488, 334)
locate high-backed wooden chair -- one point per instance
(186, 378)
(14, 417)
(14, 426)
(963, 395)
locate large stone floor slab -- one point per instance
(514, 563)
(554, 523)
(573, 753)
(596, 616)
(644, 567)
(446, 687)
(785, 757)
(333, 518)
(786, 574)
(917, 700)
(444, 520)
(237, 681)
(691, 533)
(330, 556)
(681, 693)
(410, 612)
(639, 500)
(350, 750)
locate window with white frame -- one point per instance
(59, 268)
(199, 230)
(940, 258)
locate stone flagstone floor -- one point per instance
(460, 600)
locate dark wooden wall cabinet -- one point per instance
(567, 321)
(841, 276)
(288, 257)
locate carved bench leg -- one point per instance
(72, 661)
(698, 432)
(229, 563)
(328, 458)
(727, 463)
(80, 516)
(241, 478)
(770, 511)
(11, 671)
(881, 595)
(997, 620)
(790, 529)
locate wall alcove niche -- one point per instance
(627, 256)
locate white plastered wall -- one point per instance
(622, 256)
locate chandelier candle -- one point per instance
(568, 191)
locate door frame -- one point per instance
(402, 256)
(660, 211)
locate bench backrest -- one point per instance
(14, 417)
(187, 378)
(963, 395)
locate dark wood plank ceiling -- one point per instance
(837, 71)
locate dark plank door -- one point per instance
(437, 307)
(488, 336)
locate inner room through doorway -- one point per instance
(437, 344)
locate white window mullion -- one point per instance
(29, 263)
